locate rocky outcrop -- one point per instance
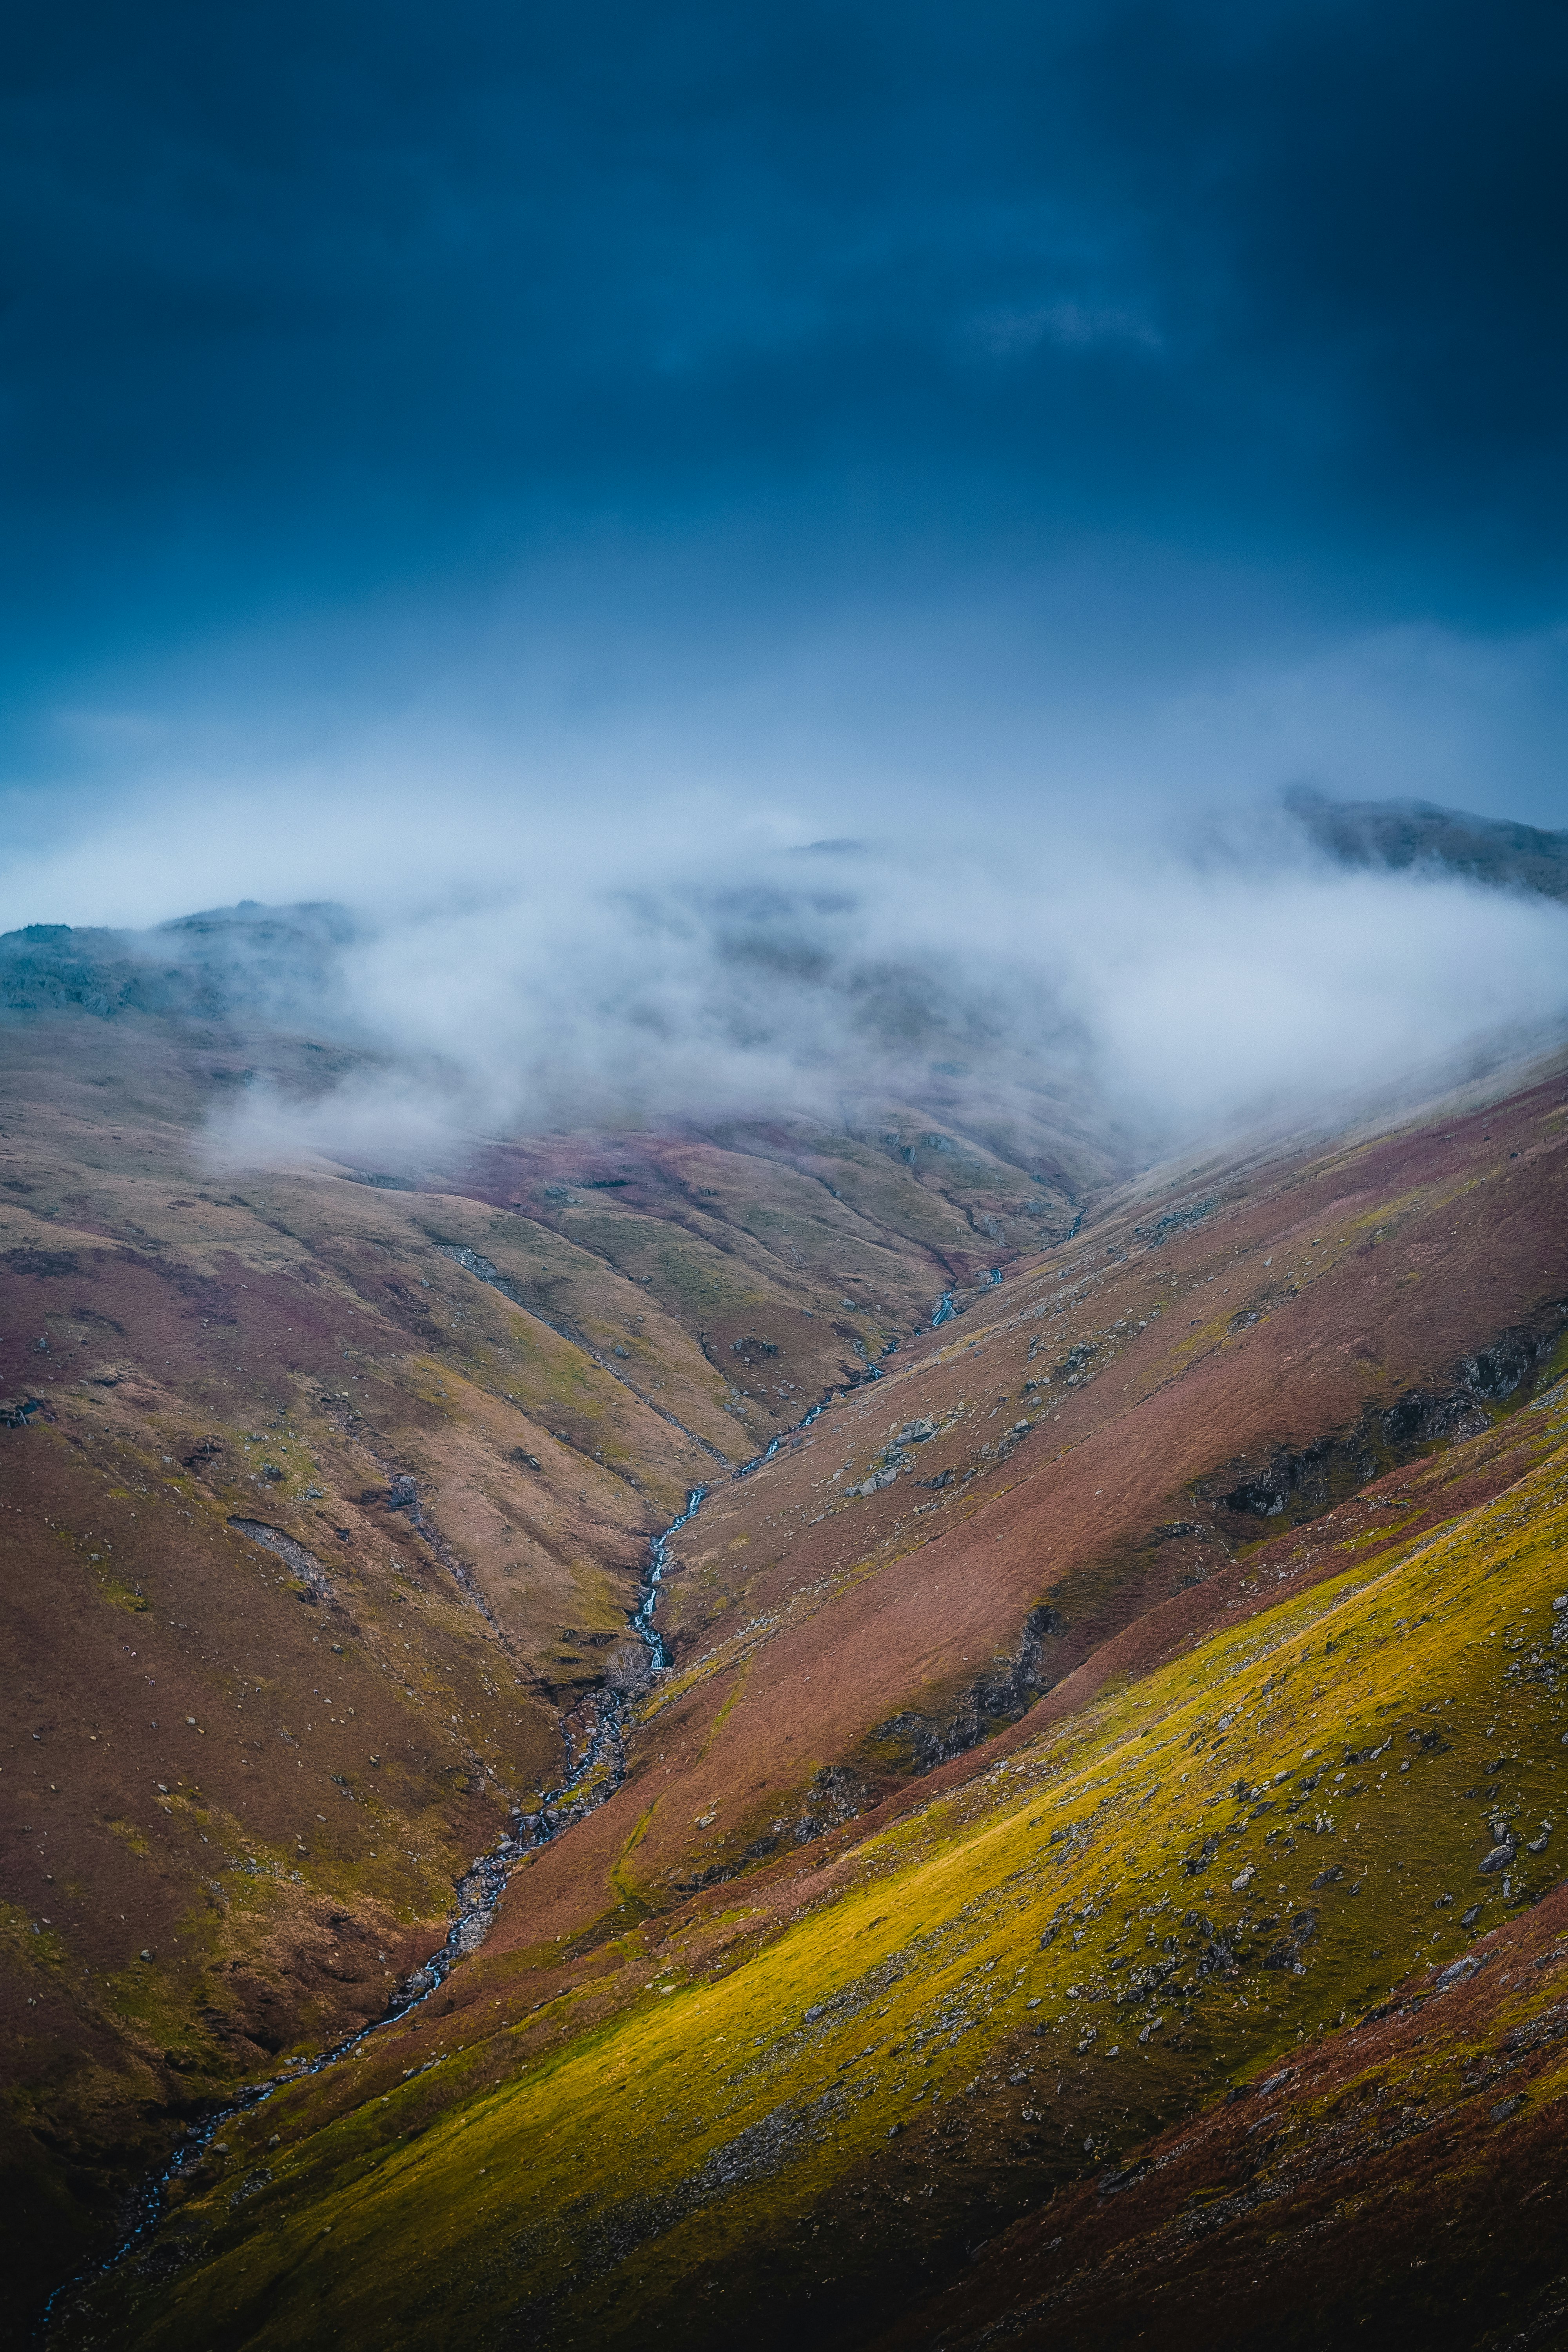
(1299, 1483)
(921, 1738)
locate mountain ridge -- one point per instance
(987, 1453)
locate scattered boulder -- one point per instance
(1461, 1972)
(1285, 1952)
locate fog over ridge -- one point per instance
(1125, 994)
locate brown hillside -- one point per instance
(328, 1494)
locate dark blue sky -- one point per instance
(343, 308)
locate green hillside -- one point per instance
(1007, 1990)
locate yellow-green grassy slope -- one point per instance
(1007, 1990)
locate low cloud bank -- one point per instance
(571, 821)
(1105, 998)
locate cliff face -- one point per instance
(966, 1842)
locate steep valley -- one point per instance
(1248, 1868)
(328, 1496)
(1127, 1709)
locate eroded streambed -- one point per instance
(593, 1775)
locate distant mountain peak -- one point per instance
(1400, 834)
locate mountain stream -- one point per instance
(477, 1892)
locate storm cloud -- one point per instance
(528, 477)
(312, 305)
